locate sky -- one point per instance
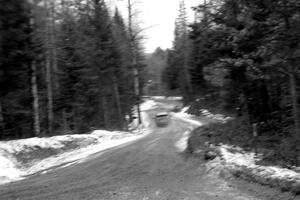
(159, 16)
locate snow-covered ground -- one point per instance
(145, 106)
(218, 117)
(175, 98)
(191, 118)
(172, 98)
(20, 158)
(241, 163)
(181, 144)
(157, 97)
(187, 117)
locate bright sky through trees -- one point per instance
(160, 15)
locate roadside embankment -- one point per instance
(239, 162)
(20, 158)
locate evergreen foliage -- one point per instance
(87, 51)
(248, 52)
(15, 58)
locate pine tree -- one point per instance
(181, 53)
(15, 60)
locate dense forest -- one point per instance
(65, 67)
(155, 64)
(73, 66)
(244, 55)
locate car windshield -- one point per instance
(161, 114)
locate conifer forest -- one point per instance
(65, 68)
(150, 99)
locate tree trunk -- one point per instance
(73, 120)
(187, 78)
(53, 45)
(104, 108)
(49, 94)
(2, 125)
(134, 61)
(118, 101)
(34, 86)
(48, 74)
(66, 127)
(293, 91)
(35, 103)
(137, 92)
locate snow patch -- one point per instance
(8, 169)
(147, 105)
(12, 153)
(182, 143)
(157, 97)
(218, 117)
(248, 159)
(146, 121)
(187, 117)
(175, 98)
(244, 163)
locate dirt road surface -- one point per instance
(148, 169)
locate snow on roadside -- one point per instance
(172, 98)
(157, 97)
(238, 162)
(175, 98)
(187, 117)
(181, 144)
(81, 155)
(218, 117)
(243, 164)
(12, 168)
(20, 158)
(147, 105)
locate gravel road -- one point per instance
(150, 168)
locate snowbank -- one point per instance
(182, 143)
(175, 98)
(147, 105)
(218, 117)
(157, 97)
(20, 158)
(172, 98)
(235, 161)
(191, 118)
(243, 164)
(187, 117)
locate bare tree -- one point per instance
(133, 52)
(104, 107)
(34, 86)
(48, 46)
(118, 100)
(293, 92)
(2, 126)
(182, 46)
(35, 104)
(52, 33)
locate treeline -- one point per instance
(156, 62)
(65, 67)
(247, 53)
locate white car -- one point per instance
(162, 119)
